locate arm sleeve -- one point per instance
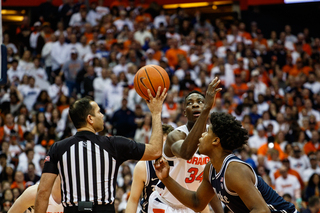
(128, 149)
(51, 161)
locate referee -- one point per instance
(88, 164)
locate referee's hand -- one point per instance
(155, 103)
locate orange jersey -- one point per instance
(172, 56)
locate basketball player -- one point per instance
(180, 150)
(144, 180)
(232, 180)
(28, 197)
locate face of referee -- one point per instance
(96, 120)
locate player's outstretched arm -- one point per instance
(139, 179)
(245, 188)
(196, 201)
(153, 150)
(44, 191)
(25, 200)
(186, 148)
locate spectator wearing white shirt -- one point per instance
(30, 93)
(258, 139)
(58, 54)
(57, 89)
(150, 60)
(312, 83)
(184, 68)
(99, 85)
(101, 9)
(6, 41)
(79, 18)
(46, 55)
(161, 18)
(290, 37)
(287, 183)
(60, 30)
(310, 110)
(39, 74)
(122, 21)
(141, 34)
(83, 47)
(258, 86)
(15, 73)
(93, 17)
(112, 96)
(25, 63)
(88, 57)
(171, 34)
(298, 161)
(121, 67)
(71, 69)
(25, 159)
(314, 168)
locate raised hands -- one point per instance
(155, 103)
(162, 168)
(211, 93)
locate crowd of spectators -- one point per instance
(270, 82)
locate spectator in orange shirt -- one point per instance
(242, 31)
(155, 45)
(173, 53)
(240, 70)
(289, 64)
(110, 39)
(305, 46)
(19, 181)
(299, 68)
(9, 127)
(265, 148)
(313, 145)
(88, 32)
(239, 86)
(260, 39)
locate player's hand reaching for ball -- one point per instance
(155, 103)
(162, 168)
(211, 93)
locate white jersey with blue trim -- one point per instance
(188, 173)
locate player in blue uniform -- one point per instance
(233, 181)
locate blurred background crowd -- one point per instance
(271, 83)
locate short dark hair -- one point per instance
(79, 111)
(313, 201)
(194, 92)
(230, 131)
(166, 129)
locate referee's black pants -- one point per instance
(96, 209)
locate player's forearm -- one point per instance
(215, 204)
(131, 206)
(41, 203)
(185, 196)
(190, 144)
(156, 139)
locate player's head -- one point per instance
(226, 130)
(194, 103)
(85, 112)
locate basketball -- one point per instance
(150, 77)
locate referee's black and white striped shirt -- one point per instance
(88, 166)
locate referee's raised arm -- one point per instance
(153, 150)
(88, 163)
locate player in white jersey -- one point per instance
(180, 150)
(28, 197)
